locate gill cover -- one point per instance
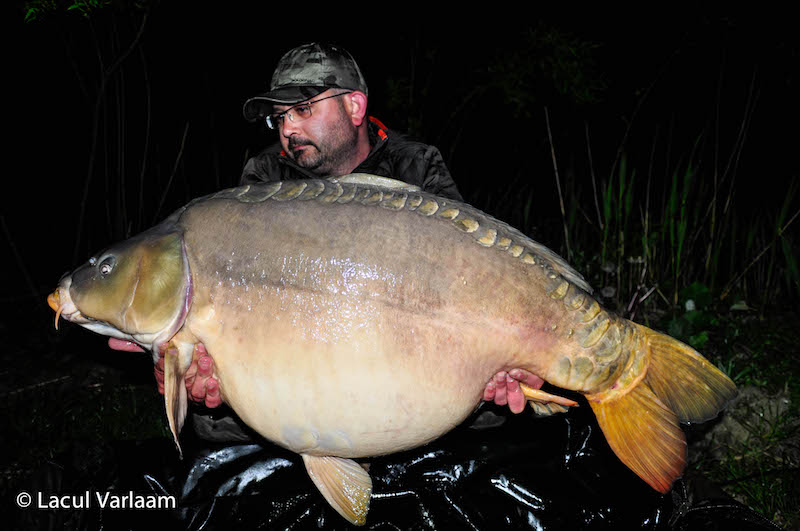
(141, 287)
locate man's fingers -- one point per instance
(199, 378)
(516, 400)
(489, 391)
(500, 388)
(197, 388)
(528, 378)
(504, 388)
(205, 366)
(213, 399)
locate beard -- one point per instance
(335, 145)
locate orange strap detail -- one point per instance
(381, 128)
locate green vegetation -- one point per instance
(753, 452)
(720, 297)
(38, 9)
(703, 266)
(682, 247)
(73, 400)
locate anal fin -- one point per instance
(345, 485)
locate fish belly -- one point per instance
(351, 331)
(364, 396)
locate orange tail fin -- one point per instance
(641, 422)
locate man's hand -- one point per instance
(504, 388)
(201, 385)
(200, 381)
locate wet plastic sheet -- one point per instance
(497, 471)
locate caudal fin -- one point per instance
(641, 423)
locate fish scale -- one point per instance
(487, 232)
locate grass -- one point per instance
(753, 453)
(58, 397)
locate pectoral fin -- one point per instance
(175, 397)
(345, 485)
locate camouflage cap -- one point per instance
(304, 72)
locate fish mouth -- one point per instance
(62, 304)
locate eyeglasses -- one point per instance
(296, 114)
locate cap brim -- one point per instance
(261, 105)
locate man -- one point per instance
(317, 104)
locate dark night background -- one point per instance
(475, 88)
(659, 85)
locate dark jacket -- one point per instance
(392, 155)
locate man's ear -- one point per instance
(356, 103)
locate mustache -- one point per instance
(294, 142)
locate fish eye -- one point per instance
(92, 261)
(106, 266)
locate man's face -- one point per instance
(323, 141)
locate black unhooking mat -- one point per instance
(496, 471)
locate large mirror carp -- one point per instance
(359, 316)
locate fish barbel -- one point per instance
(356, 317)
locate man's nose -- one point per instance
(288, 127)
